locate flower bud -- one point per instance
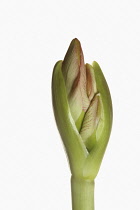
(83, 111)
(74, 72)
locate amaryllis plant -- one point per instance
(83, 112)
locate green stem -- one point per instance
(82, 194)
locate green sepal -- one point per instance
(79, 121)
(94, 159)
(75, 148)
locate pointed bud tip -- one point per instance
(75, 43)
(95, 64)
(88, 65)
(75, 40)
(73, 55)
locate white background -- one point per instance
(34, 34)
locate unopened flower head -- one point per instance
(83, 110)
(83, 98)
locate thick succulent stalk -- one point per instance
(82, 194)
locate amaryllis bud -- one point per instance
(83, 99)
(83, 111)
(74, 72)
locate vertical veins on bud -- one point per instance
(74, 72)
(83, 99)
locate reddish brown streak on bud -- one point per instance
(75, 83)
(89, 82)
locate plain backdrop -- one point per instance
(34, 172)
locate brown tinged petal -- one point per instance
(74, 73)
(90, 122)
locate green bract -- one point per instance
(83, 111)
